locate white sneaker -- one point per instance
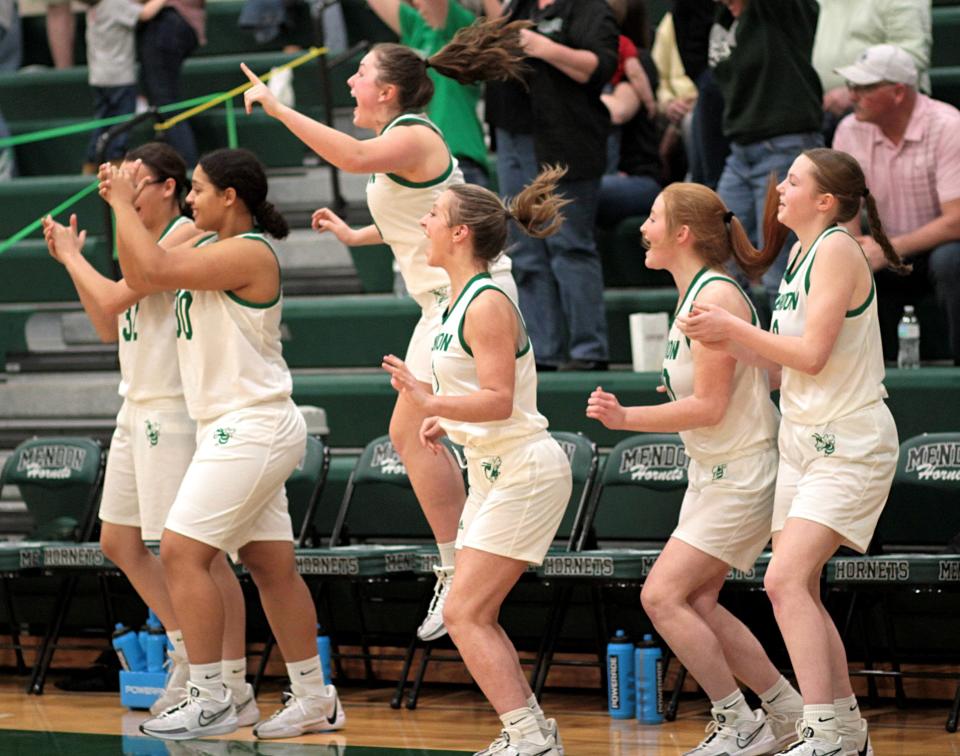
(856, 740)
(812, 743)
(175, 689)
(783, 724)
(195, 717)
(303, 714)
(510, 743)
(248, 713)
(554, 730)
(432, 626)
(743, 736)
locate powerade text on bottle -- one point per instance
(127, 646)
(649, 669)
(620, 693)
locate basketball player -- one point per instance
(250, 436)
(838, 441)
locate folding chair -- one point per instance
(634, 509)
(919, 520)
(582, 453)
(381, 526)
(59, 479)
(304, 488)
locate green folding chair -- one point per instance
(59, 479)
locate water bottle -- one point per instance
(649, 666)
(620, 686)
(323, 649)
(156, 648)
(127, 646)
(908, 334)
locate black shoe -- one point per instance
(585, 365)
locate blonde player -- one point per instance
(721, 407)
(154, 439)
(838, 441)
(484, 397)
(410, 166)
(250, 437)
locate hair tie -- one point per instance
(866, 192)
(728, 216)
(427, 63)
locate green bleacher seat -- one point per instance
(622, 254)
(29, 274)
(946, 31)
(26, 199)
(946, 84)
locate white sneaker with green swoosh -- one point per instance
(197, 716)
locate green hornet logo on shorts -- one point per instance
(223, 435)
(491, 468)
(824, 442)
(153, 432)
(720, 471)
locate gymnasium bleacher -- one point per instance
(339, 315)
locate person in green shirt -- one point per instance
(427, 28)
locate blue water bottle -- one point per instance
(156, 648)
(127, 646)
(649, 666)
(323, 649)
(620, 671)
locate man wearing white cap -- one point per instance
(909, 148)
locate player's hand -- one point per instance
(709, 324)
(325, 219)
(120, 185)
(404, 381)
(63, 241)
(605, 407)
(430, 434)
(259, 92)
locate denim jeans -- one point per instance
(708, 148)
(164, 43)
(743, 187)
(937, 271)
(108, 102)
(622, 196)
(473, 172)
(559, 278)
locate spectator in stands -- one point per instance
(155, 439)
(485, 399)
(760, 55)
(846, 29)
(837, 439)
(631, 184)
(163, 45)
(708, 147)
(111, 65)
(250, 438)
(61, 32)
(556, 116)
(909, 147)
(676, 94)
(410, 166)
(10, 56)
(722, 410)
(454, 106)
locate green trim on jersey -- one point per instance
(410, 119)
(204, 241)
(174, 223)
(858, 310)
(245, 302)
(446, 314)
(463, 341)
(693, 281)
(794, 265)
(813, 253)
(732, 282)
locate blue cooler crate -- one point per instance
(138, 690)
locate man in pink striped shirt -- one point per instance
(909, 148)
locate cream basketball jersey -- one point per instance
(147, 343)
(229, 349)
(455, 374)
(751, 419)
(853, 375)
